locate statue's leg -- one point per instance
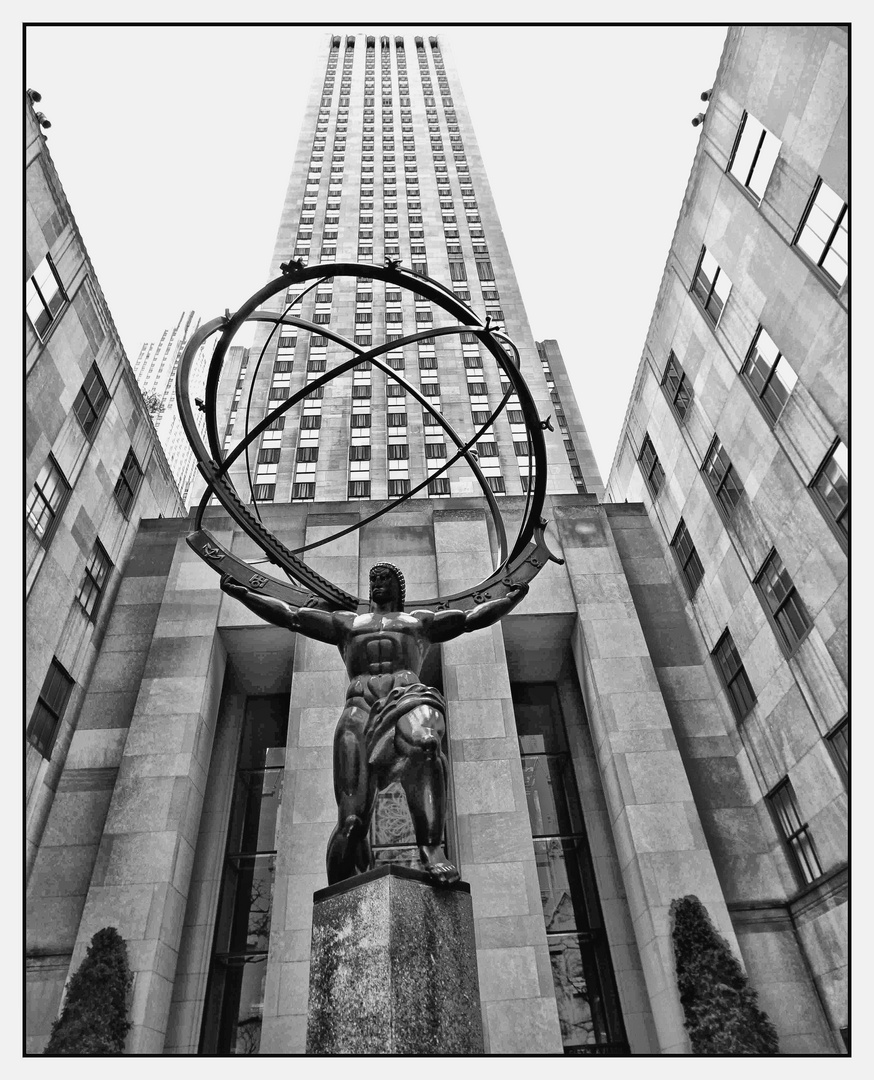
(348, 847)
(423, 776)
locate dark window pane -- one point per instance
(581, 1012)
(569, 897)
(839, 744)
(256, 804)
(538, 718)
(550, 788)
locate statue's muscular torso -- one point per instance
(382, 644)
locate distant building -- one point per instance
(736, 441)
(93, 469)
(155, 370)
(598, 771)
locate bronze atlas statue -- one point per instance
(392, 725)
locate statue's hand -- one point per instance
(232, 587)
(517, 589)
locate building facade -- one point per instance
(155, 371)
(736, 441)
(582, 802)
(93, 469)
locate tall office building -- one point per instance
(155, 370)
(93, 470)
(736, 442)
(388, 167)
(589, 737)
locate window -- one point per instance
(96, 575)
(487, 449)
(394, 390)
(287, 341)
(522, 448)
(359, 453)
(831, 488)
(838, 740)
(585, 989)
(398, 451)
(307, 453)
(430, 389)
(303, 492)
(710, 286)
(515, 416)
(128, 483)
(47, 499)
(769, 373)
(435, 450)
(753, 156)
(782, 601)
(721, 477)
(477, 389)
(794, 833)
(45, 297)
(360, 420)
(687, 558)
(824, 232)
(235, 991)
(46, 718)
(733, 676)
(264, 492)
(496, 483)
(310, 421)
(396, 419)
(650, 466)
(484, 270)
(677, 388)
(359, 489)
(440, 486)
(398, 487)
(268, 456)
(91, 402)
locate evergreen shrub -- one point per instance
(94, 1017)
(721, 1009)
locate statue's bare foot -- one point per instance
(435, 863)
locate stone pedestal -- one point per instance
(393, 967)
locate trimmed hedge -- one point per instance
(94, 1017)
(721, 1009)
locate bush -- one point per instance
(721, 1009)
(94, 1017)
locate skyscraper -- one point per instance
(155, 370)
(388, 167)
(736, 440)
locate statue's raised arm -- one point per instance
(445, 625)
(321, 625)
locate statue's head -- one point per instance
(386, 581)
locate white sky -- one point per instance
(174, 145)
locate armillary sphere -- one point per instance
(305, 587)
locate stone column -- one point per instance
(393, 968)
(143, 867)
(661, 845)
(496, 851)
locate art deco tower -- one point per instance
(388, 166)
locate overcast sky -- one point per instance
(174, 145)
